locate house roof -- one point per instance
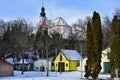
(106, 51)
(71, 54)
(9, 60)
(21, 61)
(4, 63)
(41, 60)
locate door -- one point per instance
(61, 66)
(106, 67)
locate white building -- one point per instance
(104, 61)
(58, 25)
(41, 65)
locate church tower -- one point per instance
(42, 17)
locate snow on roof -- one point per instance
(59, 22)
(106, 51)
(21, 61)
(71, 54)
(9, 60)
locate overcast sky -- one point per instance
(70, 10)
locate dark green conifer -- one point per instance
(115, 46)
(97, 45)
(89, 49)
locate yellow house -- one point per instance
(66, 60)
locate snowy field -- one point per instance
(32, 75)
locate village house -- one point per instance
(27, 65)
(6, 69)
(66, 60)
(104, 61)
(29, 59)
(41, 65)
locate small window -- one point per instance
(56, 65)
(60, 57)
(52, 64)
(108, 55)
(37, 68)
(66, 64)
(53, 24)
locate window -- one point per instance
(60, 57)
(108, 55)
(52, 64)
(66, 64)
(37, 68)
(56, 65)
(53, 24)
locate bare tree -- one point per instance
(117, 12)
(3, 27)
(106, 28)
(78, 30)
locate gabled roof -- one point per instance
(21, 61)
(106, 51)
(2, 63)
(71, 54)
(59, 22)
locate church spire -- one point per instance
(42, 2)
(43, 14)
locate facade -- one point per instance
(19, 65)
(41, 65)
(6, 69)
(58, 25)
(104, 61)
(66, 60)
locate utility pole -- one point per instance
(22, 63)
(47, 62)
(81, 61)
(60, 63)
(42, 61)
(47, 45)
(54, 64)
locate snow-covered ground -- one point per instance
(32, 75)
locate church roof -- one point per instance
(59, 22)
(71, 54)
(43, 14)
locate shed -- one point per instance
(6, 69)
(41, 65)
(67, 60)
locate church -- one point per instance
(58, 25)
